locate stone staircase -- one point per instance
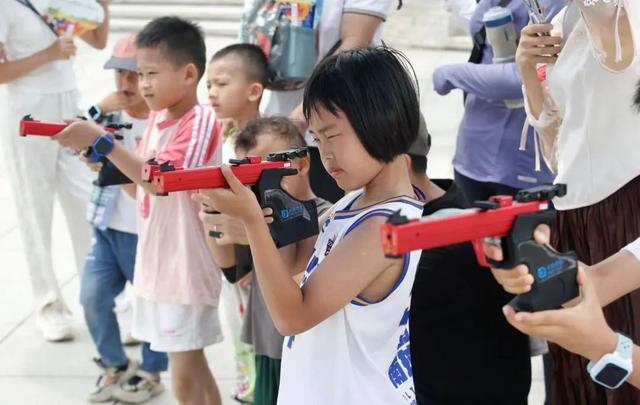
(218, 18)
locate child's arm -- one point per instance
(222, 253)
(82, 134)
(232, 232)
(352, 266)
(304, 249)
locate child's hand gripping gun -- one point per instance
(109, 174)
(293, 220)
(514, 222)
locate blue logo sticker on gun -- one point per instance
(549, 270)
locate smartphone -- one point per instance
(535, 13)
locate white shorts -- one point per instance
(172, 327)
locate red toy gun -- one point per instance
(512, 221)
(29, 126)
(293, 220)
(166, 179)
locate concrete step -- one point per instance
(193, 12)
(210, 28)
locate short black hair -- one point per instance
(281, 127)
(182, 41)
(377, 90)
(418, 164)
(253, 59)
(636, 98)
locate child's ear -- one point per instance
(190, 74)
(407, 160)
(255, 92)
(303, 165)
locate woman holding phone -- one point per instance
(36, 69)
(581, 105)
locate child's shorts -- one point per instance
(172, 327)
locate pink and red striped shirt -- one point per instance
(173, 263)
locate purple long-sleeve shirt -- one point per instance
(489, 134)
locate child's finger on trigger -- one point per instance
(267, 211)
(493, 249)
(234, 184)
(201, 198)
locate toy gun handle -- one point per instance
(555, 278)
(522, 231)
(554, 273)
(293, 220)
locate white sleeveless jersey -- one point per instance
(360, 354)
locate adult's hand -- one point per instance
(535, 48)
(581, 329)
(63, 48)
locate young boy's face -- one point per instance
(266, 144)
(231, 93)
(127, 88)
(343, 155)
(161, 83)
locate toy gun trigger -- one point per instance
(483, 260)
(478, 248)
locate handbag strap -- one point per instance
(30, 6)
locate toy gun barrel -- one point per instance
(167, 179)
(400, 236)
(29, 126)
(209, 177)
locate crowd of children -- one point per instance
(326, 320)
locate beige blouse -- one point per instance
(589, 132)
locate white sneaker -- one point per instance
(54, 322)
(109, 380)
(140, 388)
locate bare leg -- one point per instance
(191, 379)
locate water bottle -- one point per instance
(501, 36)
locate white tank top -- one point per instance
(360, 354)
(599, 139)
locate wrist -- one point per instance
(254, 219)
(527, 70)
(49, 54)
(606, 343)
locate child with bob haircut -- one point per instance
(346, 323)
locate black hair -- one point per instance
(281, 127)
(418, 164)
(181, 41)
(376, 89)
(254, 61)
(636, 98)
